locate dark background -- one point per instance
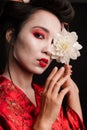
(79, 24)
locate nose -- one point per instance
(47, 48)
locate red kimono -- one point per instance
(18, 113)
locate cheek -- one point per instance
(22, 58)
(17, 53)
(23, 52)
(20, 50)
(26, 46)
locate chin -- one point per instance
(39, 71)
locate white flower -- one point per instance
(65, 47)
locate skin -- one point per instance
(24, 61)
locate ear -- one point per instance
(9, 35)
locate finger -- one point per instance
(59, 84)
(54, 79)
(62, 94)
(68, 69)
(55, 69)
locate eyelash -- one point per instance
(39, 35)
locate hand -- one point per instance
(73, 87)
(52, 97)
(73, 99)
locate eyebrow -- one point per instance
(46, 30)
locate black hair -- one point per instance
(13, 14)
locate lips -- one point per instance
(43, 62)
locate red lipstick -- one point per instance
(43, 62)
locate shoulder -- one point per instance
(74, 119)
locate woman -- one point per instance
(27, 30)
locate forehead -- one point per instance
(44, 19)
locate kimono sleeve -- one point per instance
(75, 122)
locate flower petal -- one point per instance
(65, 47)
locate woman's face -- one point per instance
(33, 41)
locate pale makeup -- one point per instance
(31, 49)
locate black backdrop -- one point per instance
(79, 24)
